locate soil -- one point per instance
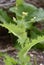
(37, 57)
(6, 39)
(37, 3)
(7, 3)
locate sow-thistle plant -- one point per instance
(23, 28)
(24, 13)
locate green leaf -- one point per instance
(4, 18)
(39, 14)
(9, 60)
(19, 2)
(16, 30)
(29, 45)
(30, 9)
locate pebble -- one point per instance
(31, 55)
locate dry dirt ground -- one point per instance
(6, 3)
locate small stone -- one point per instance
(12, 0)
(31, 55)
(41, 57)
(41, 64)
